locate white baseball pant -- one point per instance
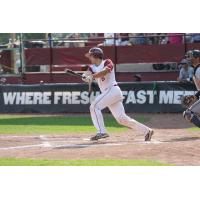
(112, 98)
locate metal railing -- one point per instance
(148, 40)
(51, 42)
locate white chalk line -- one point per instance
(46, 144)
(45, 141)
(22, 147)
(43, 137)
(58, 146)
(17, 136)
(87, 145)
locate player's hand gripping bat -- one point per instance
(72, 73)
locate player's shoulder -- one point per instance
(107, 61)
(108, 64)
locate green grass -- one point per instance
(34, 124)
(193, 129)
(33, 162)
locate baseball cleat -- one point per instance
(148, 136)
(99, 136)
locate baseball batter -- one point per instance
(111, 96)
(192, 114)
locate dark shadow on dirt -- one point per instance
(184, 139)
(167, 121)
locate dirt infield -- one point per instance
(172, 143)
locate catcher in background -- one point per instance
(192, 102)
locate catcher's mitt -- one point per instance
(187, 101)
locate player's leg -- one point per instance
(117, 109)
(192, 114)
(97, 118)
(96, 114)
(102, 101)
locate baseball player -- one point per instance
(111, 96)
(192, 114)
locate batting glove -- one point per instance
(87, 78)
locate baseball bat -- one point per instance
(72, 73)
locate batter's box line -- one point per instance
(22, 147)
(46, 144)
(58, 146)
(153, 141)
(19, 136)
(45, 141)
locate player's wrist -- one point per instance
(87, 78)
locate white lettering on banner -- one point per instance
(124, 93)
(177, 97)
(166, 97)
(141, 97)
(75, 96)
(78, 97)
(66, 98)
(41, 98)
(57, 97)
(20, 98)
(27, 98)
(131, 97)
(9, 97)
(46, 98)
(173, 97)
(37, 98)
(84, 98)
(151, 96)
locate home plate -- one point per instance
(153, 142)
(86, 139)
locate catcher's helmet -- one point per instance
(193, 54)
(96, 52)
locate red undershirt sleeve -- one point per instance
(109, 64)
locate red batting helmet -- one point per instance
(95, 52)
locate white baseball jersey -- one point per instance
(109, 79)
